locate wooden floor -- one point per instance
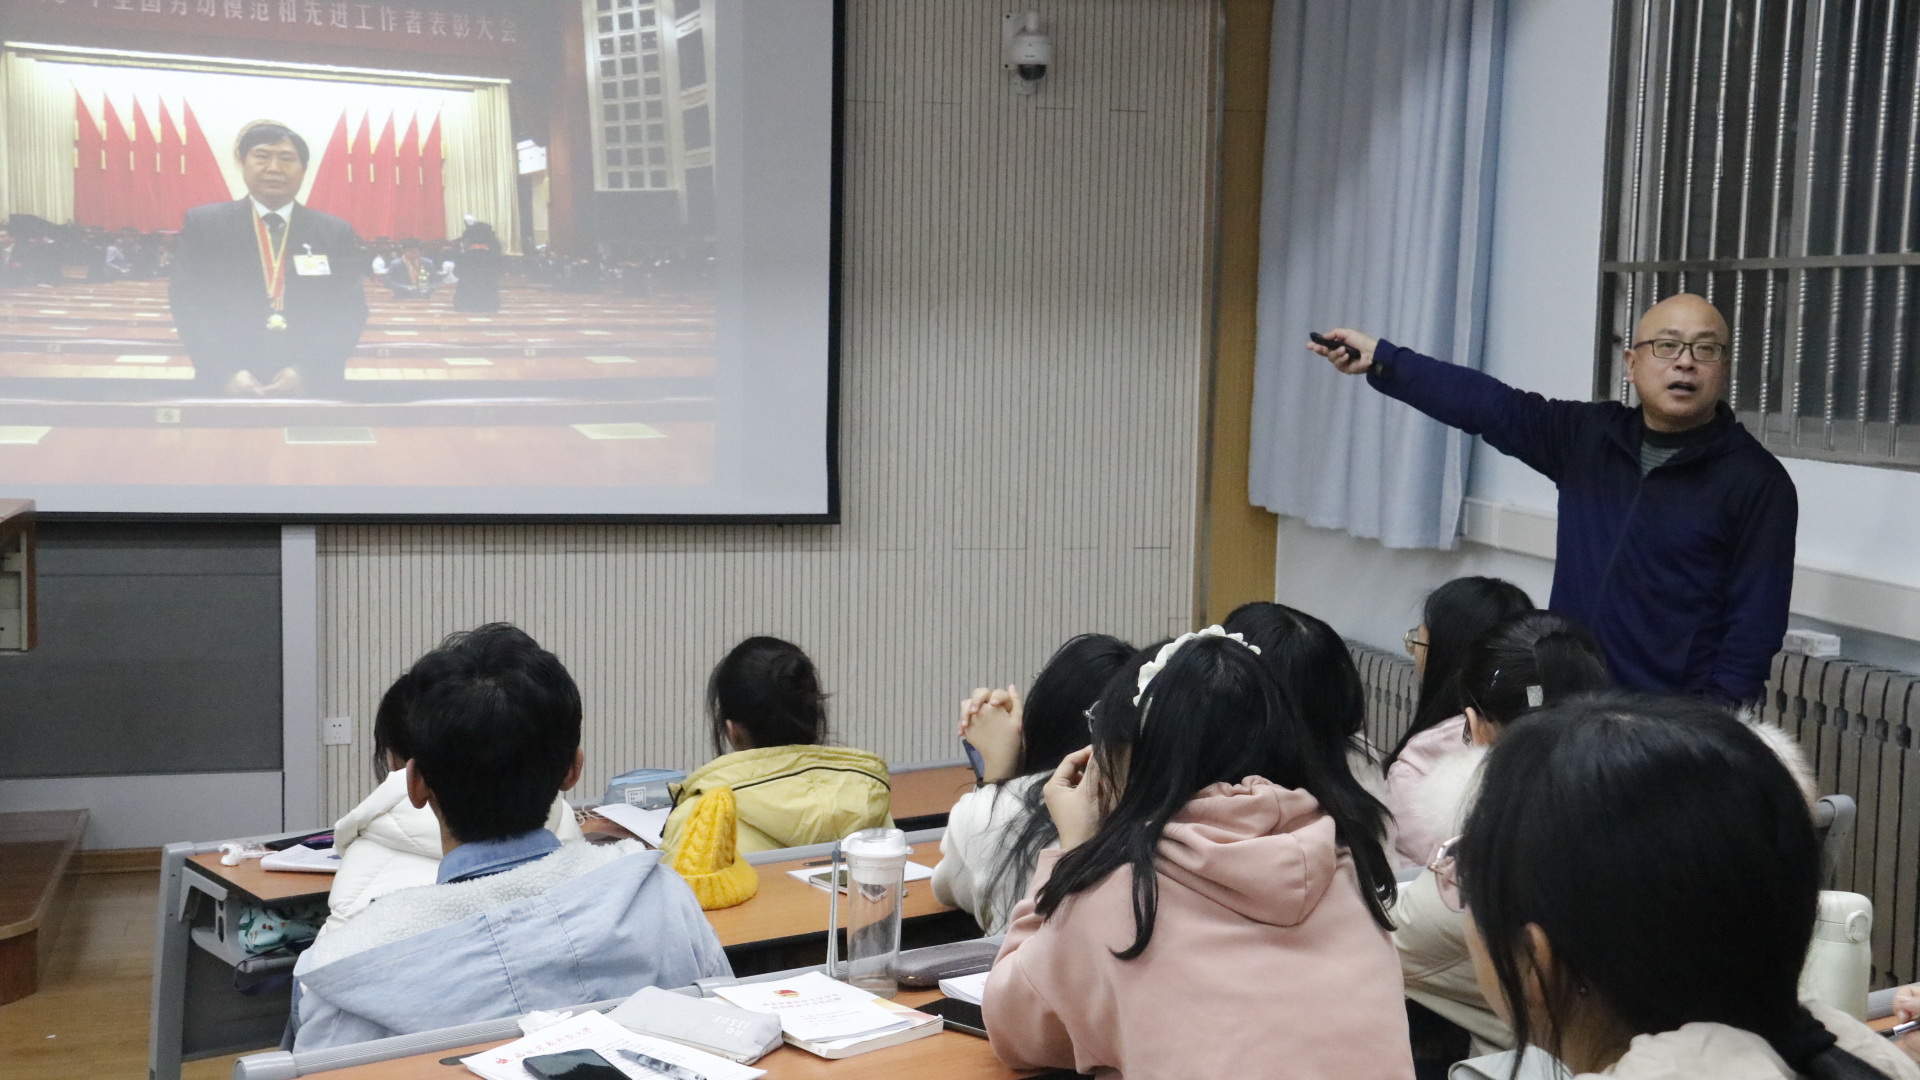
(90, 1017)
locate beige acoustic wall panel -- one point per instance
(1023, 354)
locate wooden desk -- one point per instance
(198, 1010)
(783, 926)
(264, 887)
(928, 793)
(949, 1055)
(36, 848)
(785, 909)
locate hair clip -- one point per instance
(1152, 667)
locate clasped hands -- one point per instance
(991, 720)
(286, 384)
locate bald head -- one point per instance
(1682, 316)
(1680, 393)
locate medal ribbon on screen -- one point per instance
(273, 268)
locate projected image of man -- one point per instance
(266, 293)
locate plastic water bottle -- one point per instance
(876, 864)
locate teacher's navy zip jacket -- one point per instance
(1683, 574)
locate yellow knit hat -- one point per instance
(708, 857)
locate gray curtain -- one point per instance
(1377, 215)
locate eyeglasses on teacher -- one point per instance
(1705, 353)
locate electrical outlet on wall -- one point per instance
(336, 731)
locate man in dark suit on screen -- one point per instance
(266, 293)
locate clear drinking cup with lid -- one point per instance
(875, 872)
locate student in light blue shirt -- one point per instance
(517, 920)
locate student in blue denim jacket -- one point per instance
(517, 920)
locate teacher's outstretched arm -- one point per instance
(1519, 423)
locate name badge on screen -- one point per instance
(311, 266)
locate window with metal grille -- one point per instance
(627, 82)
(1763, 154)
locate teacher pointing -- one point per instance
(1676, 531)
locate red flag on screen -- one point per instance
(89, 165)
(116, 180)
(145, 210)
(433, 208)
(360, 180)
(205, 184)
(407, 205)
(329, 192)
(173, 171)
(385, 188)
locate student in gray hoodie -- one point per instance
(517, 920)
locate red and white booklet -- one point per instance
(830, 1018)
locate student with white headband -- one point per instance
(1217, 904)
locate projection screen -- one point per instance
(444, 258)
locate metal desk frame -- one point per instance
(196, 1012)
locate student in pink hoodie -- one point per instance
(1216, 904)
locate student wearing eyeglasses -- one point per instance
(1676, 530)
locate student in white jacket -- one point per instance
(1641, 877)
(996, 832)
(386, 843)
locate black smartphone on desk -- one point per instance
(572, 1065)
(959, 1015)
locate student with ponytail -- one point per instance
(1455, 616)
(1642, 877)
(765, 706)
(1533, 660)
(1530, 660)
(1217, 903)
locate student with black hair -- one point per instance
(517, 920)
(1528, 662)
(1539, 658)
(1455, 615)
(386, 843)
(1642, 877)
(996, 832)
(1217, 903)
(768, 721)
(1313, 667)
